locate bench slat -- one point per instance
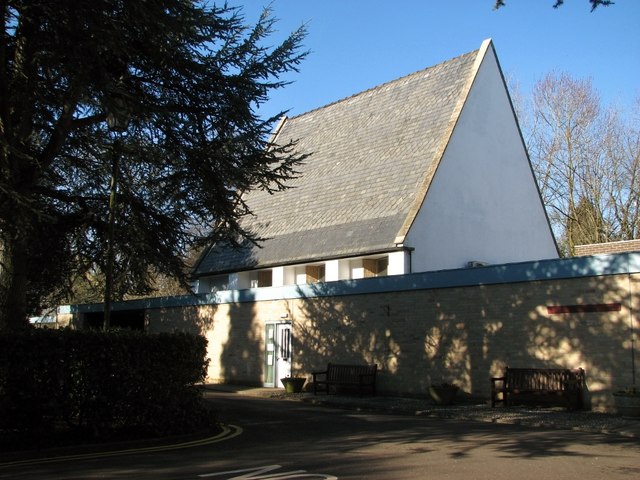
(361, 376)
(564, 383)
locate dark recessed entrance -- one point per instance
(131, 319)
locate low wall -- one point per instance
(461, 326)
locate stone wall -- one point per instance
(422, 334)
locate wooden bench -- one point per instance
(340, 375)
(535, 385)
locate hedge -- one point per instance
(98, 383)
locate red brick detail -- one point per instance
(597, 307)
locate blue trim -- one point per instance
(554, 269)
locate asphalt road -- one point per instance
(276, 439)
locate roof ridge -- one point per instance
(384, 84)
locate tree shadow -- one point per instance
(466, 334)
(231, 326)
(462, 326)
(241, 351)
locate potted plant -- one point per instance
(627, 401)
(293, 384)
(444, 393)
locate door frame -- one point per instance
(274, 367)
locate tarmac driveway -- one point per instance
(276, 439)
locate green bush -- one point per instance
(100, 383)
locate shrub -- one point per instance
(101, 383)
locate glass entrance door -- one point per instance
(277, 353)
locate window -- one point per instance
(265, 278)
(315, 273)
(261, 278)
(375, 267)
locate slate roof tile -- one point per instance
(370, 154)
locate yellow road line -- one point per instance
(228, 432)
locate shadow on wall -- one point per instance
(191, 319)
(241, 354)
(233, 335)
(420, 333)
(408, 334)
(467, 334)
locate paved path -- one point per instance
(555, 418)
(282, 439)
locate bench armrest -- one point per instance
(495, 391)
(314, 374)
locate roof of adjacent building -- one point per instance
(372, 158)
(607, 248)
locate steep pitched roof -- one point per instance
(372, 158)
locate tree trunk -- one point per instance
(13, 280)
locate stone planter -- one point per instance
(293, 384)
(627, 404)
(443, 394)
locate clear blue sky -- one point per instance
(358, 44)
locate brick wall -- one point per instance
(421, 336)
(607, 248)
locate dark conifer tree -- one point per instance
(185, 80)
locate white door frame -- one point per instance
(278, 352)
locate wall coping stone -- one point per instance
(539, 270)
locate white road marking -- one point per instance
(257, 474)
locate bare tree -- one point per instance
(586, 162)
(622, 144)
(561, 145)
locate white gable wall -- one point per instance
(483, 203)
